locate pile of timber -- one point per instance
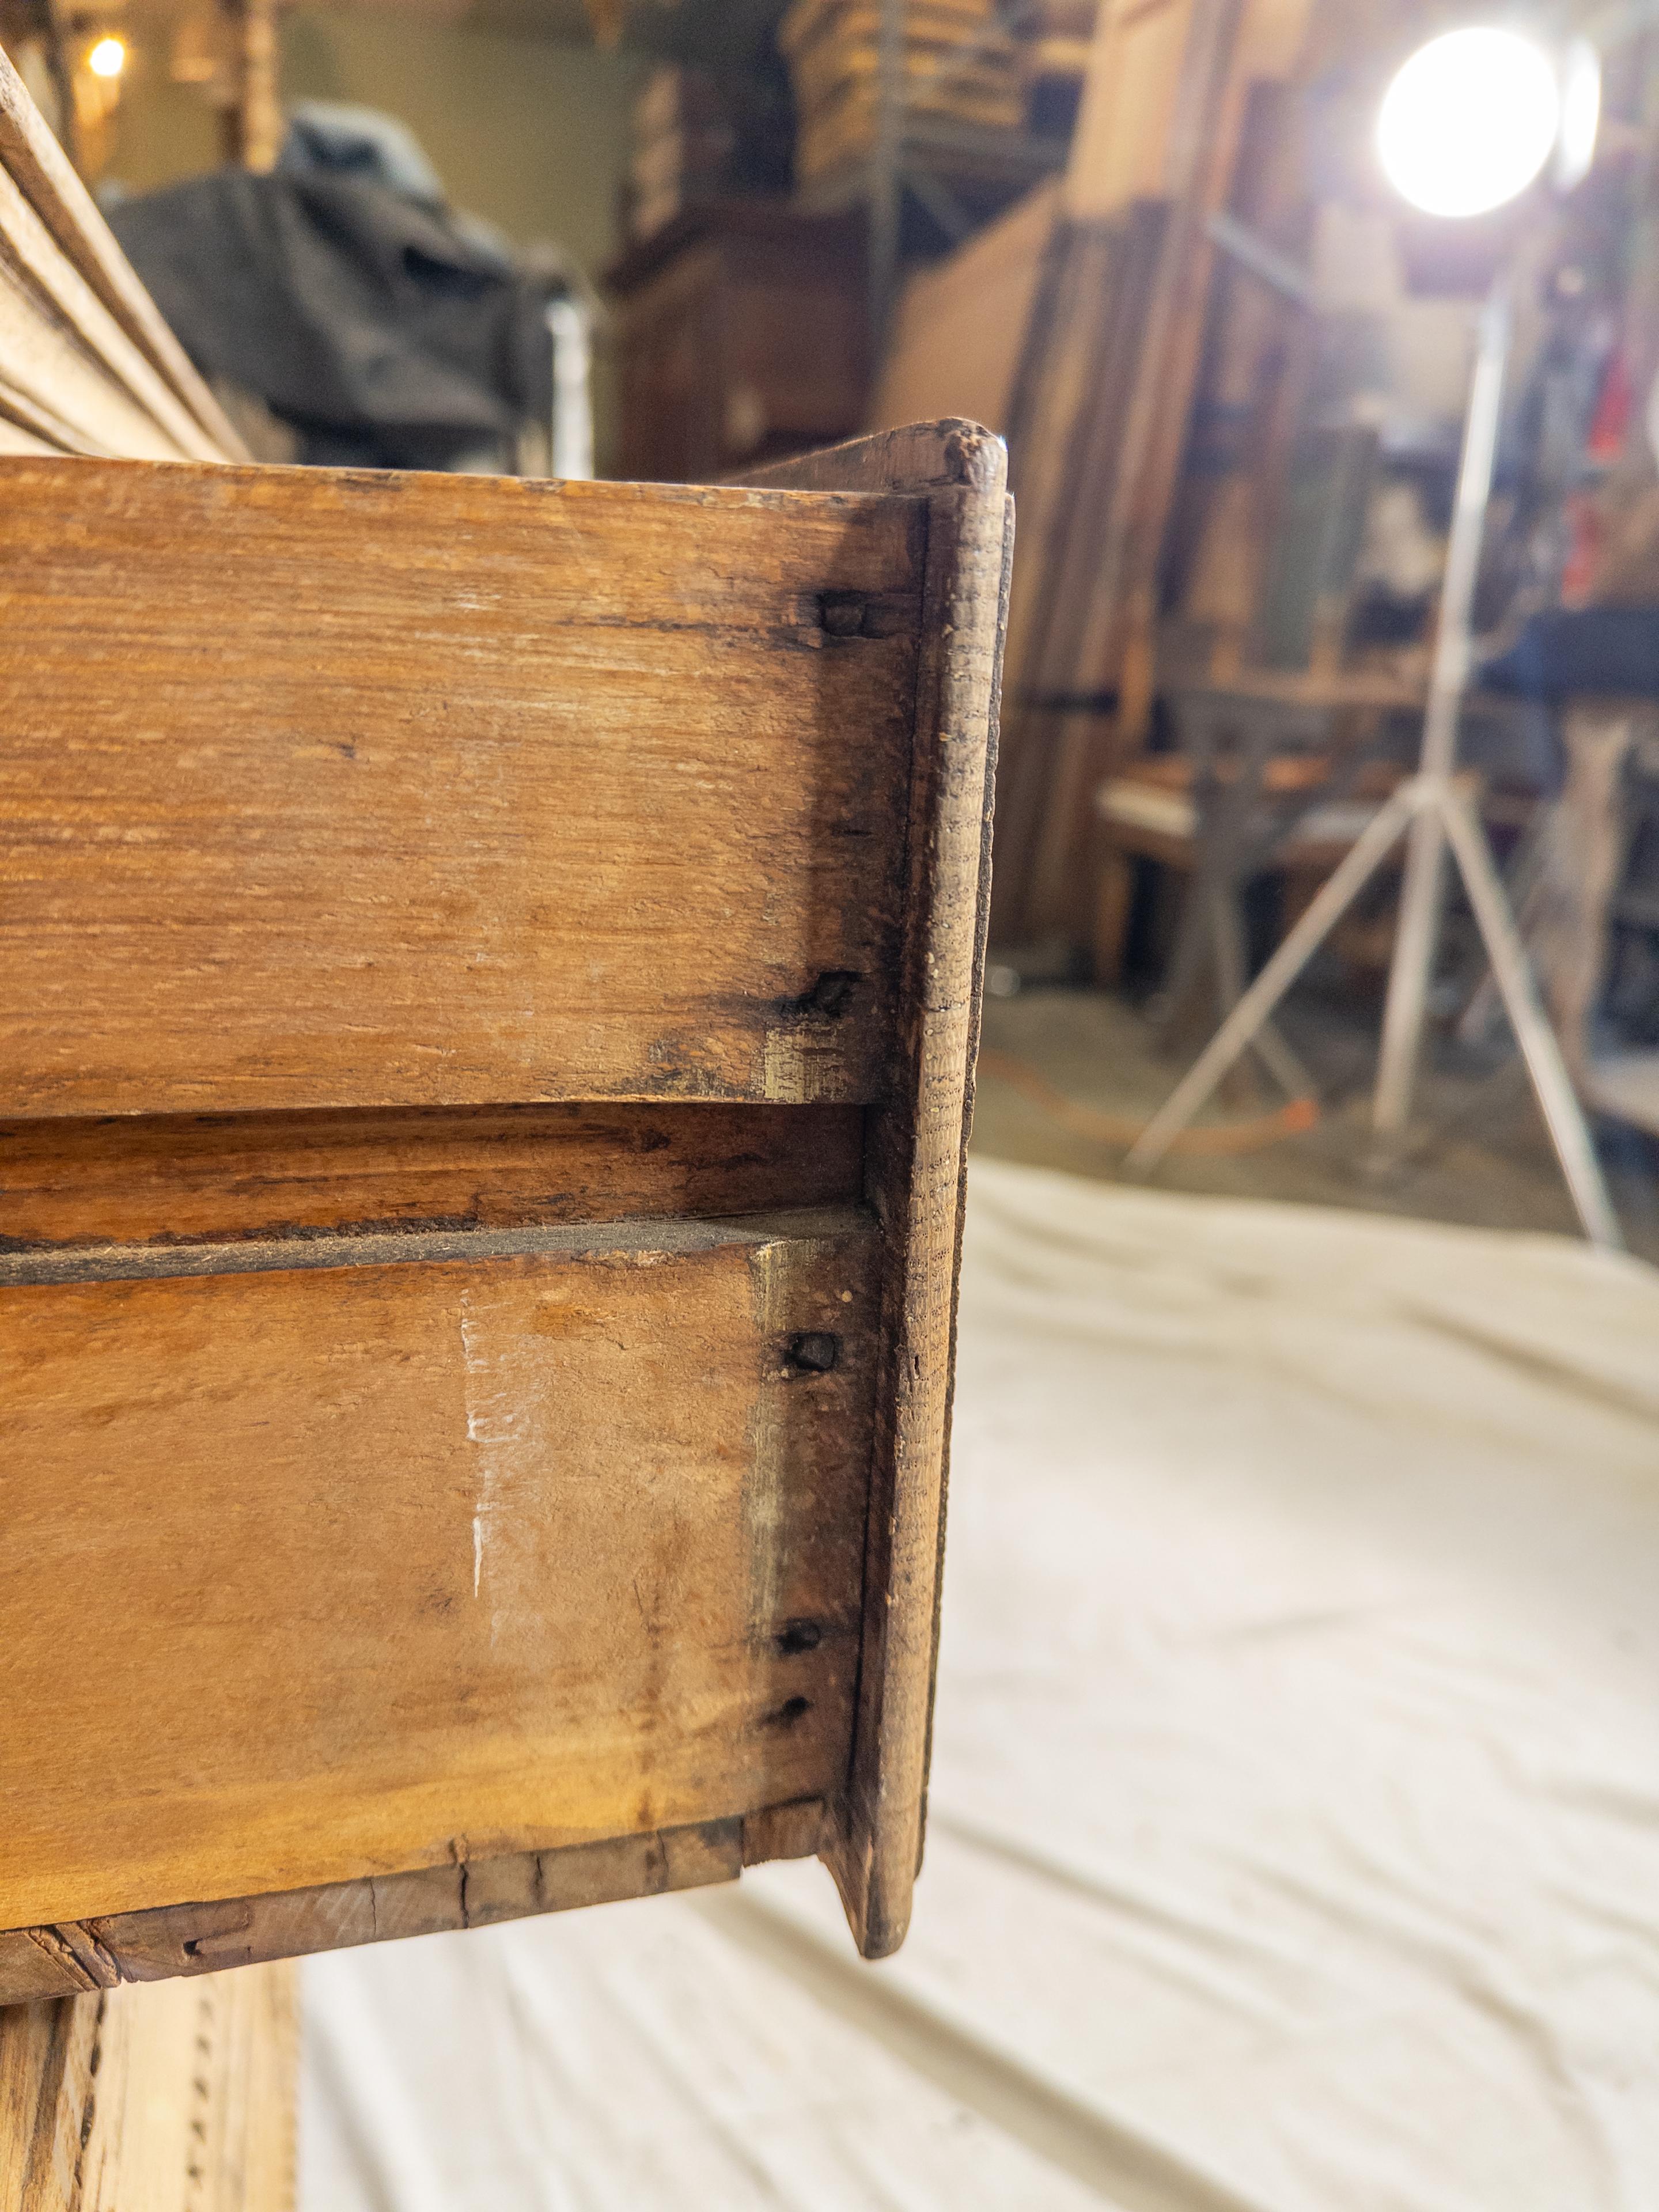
(683, 145)
(1077, 326)
(959, 65)
(87, 364)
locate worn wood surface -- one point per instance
(378, 1561)
(508, 791)
(171, 2100)
(171, 1178)
(182, 1940)
(917, 1143)
(87, 364)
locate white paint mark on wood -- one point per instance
(497, 1423)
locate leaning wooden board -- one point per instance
(180, 2098)
(486, 988)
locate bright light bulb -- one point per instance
(1469, 121)
(107, 59)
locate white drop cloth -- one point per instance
(1296, 1809)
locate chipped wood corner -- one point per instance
(918, 1147)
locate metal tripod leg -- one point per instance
(1421, 896)
(1334, 896)
(1557, 1099)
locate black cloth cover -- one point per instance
(384, 329)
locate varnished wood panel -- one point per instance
(331, 789)
(173, 1178)
(380, 1561)
(178, 2100)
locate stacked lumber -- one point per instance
(1098, 413)
(87, 364)
(960, 65)
(683, 147)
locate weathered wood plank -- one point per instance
(368, 1567)
(507, 791)
(151, 2101)
(174, 1178)
(917, 1144)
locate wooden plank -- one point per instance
(267, 1175)
(32, 158)
(510, 791)
(960, 321)
(151, 2101)
(54, 385)
(373, 1558)
(917, 1144)
(180, 1940)
(185, 1940)
(68, 301)
(1098, 454)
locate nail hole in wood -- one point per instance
(841, 614)
(830, 995)
(815, 1351)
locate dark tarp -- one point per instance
(385, 330)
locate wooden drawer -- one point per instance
(487, 974)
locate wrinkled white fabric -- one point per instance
(1295, 1801)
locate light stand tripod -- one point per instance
(1434, 810)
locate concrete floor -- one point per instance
(1477, 1152)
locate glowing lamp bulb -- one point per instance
(1469, 121)
(107, 59)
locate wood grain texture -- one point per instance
(170, 1179)
(70, 276)
(172, 2099)
(336, 790)
(917, 1146)
(368, 1567)
(184, 1940)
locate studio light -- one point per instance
(1469, 121)
(108, 58)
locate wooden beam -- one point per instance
(127, 2099)
(92, 268)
